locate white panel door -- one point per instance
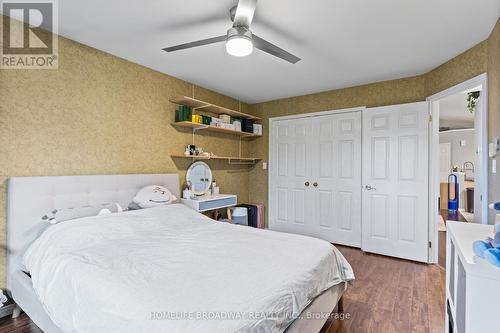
(290, 200)
(395, 181)
(336, 177)
(315, 183)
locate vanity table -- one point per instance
(199, 175)
(211, 202)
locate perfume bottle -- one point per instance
(215, 188)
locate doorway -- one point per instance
(458, 164)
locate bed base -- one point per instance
(25, 297)
(324, 304)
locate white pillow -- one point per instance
(154, 195)
(65, 214)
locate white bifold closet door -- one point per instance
(395, 181)
(315, 177)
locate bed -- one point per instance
(163, 269)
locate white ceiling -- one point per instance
(453, 112)
(341, 42)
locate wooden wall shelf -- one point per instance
(230, 160)
(197, 104)
(197, 127)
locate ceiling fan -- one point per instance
(239, 38)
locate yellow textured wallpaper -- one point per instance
(459, 69)
(99, 114)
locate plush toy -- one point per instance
(480, 247)
(490, 248)
(493, 256)
(65, 214)
(153, 195)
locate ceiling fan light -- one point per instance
(239, 46)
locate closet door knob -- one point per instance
(306, 183)
(315, 184)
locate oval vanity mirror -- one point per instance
(200, 176)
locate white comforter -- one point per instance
(170, 269)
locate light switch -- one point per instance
(493, 166)
(264, 166)
(493, 148)
(463, 143)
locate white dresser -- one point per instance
(472, 284)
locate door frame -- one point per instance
(480, 80)
(270, 165)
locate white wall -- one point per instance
(459, 154)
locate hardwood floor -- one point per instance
(388, 295)
(391, 295)
(22, 324)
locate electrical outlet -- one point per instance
(264, 166)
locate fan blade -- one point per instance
(244, 13)
(276, 51)
(202, 42)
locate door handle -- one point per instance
(370, 188)
(306, 183)
(315, 184)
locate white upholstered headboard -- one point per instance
(29, 198)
